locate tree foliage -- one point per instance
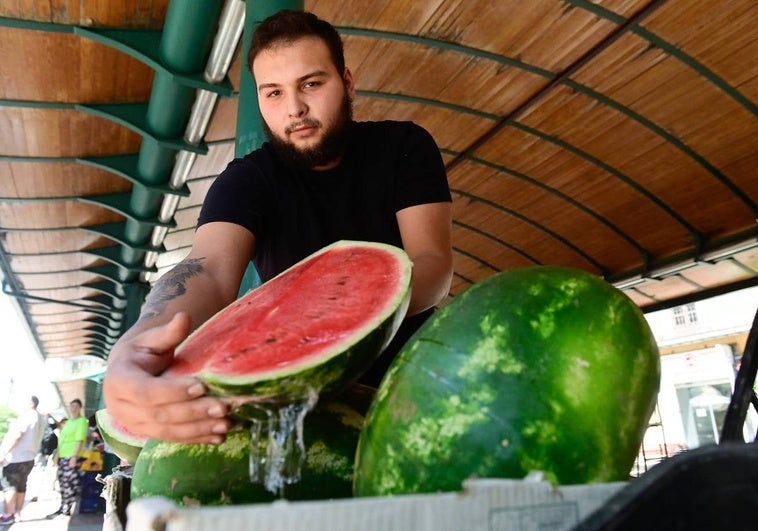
(7, 414)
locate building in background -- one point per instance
(701, 346)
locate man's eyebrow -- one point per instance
(315, 73)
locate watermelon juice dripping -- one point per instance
(277, 450)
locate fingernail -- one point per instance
(196, 389)
(220, 428)
(217, 410)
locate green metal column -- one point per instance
(250, 135)
(186, 41)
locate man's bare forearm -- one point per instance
(170, 286)
(431, 281)
(185, 288)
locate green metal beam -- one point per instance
(99, 309)
(112, 254)
(124, 204)
(117, 233)
(145, 45)
(99, 330)
(109, 272)
(112, 328)
(94, 349)
(106, 301)
(184, 47)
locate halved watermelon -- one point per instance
(122, 442)
(314, 328)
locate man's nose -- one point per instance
(296, 107)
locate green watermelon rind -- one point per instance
(332, 371)
(461, 401)
(204, 474)
(125, 445)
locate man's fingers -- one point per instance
(171, 409)
(130, 383)
(191, 420)
(205, 408)
(201, 420)
(210, 430)
(165, 337)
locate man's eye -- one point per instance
(274, 93)
(311, 84)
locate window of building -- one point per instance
(685, 314)
(678, 316)
(691, 313)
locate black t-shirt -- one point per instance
(388, 166)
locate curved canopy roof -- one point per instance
(615, 136)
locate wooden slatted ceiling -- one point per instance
(126, 14)
(56, 179)
(31, 243)
(67, 69)
(63, 133)
(93, 72)
(55, 214)
(570, 136)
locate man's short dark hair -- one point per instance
(77, 402)
(287, 26)
(35, 401)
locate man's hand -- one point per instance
(171, 409)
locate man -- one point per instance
(321, 177)
(71, 442)
(17, 453)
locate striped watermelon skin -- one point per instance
(542, 368)
(206, 474)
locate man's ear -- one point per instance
(347, 79)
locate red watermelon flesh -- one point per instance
(327, 315)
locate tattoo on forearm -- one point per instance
(170, 286)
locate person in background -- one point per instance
(71, 443)
(58, 429)
(49, 442)
(322, 177)
(17, 452)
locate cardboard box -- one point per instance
(483, 504)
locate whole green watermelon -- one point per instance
(207, 474)
(542, 368)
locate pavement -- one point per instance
(41, 500)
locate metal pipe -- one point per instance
(225, 43)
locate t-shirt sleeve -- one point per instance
(81, 430)
(421, 176)
(236, 196)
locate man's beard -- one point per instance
(329, 149)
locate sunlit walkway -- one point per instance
(41, 500)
